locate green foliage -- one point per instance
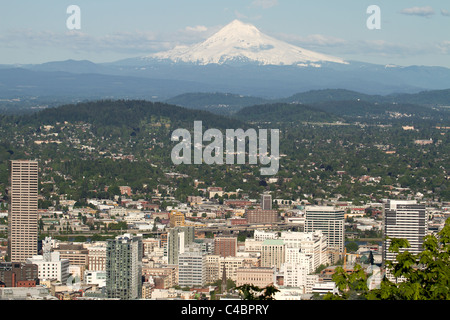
(251, 292)
(423, 276)
(426, 276)
(351, 286)
(280, 112)
(352, 246)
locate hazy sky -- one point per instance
(412, 32)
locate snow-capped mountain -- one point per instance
(242, 42)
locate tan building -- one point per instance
(260, 277)
(215, 264)
(150, 245)
(23, 210)
(97, 257)
(272, 253)
(75, 253)
(176, 219)
(231, 265)
(146, 290)
(262, 216)
(212, 267)
(165, 277)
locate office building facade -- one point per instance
(192, 267)
(23, 210)
(266, 201)
(404, 220)
(225, 246)
(331, 222)
(124, 267)
(178, 238)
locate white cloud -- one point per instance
(265, 4)
(119, 42)
(444, 47)
(196, 29)
(419, 11)
(445, 13)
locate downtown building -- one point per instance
(225, 246)
(177, 239)
(266, 201)
(23, 210)
(304, 253)
(331, 222)
(262, 216)
(192, 266)
(311, 244)
(404, 220)
(124, 267)
(50, 264)
(17, 274)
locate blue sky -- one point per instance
(412, 32)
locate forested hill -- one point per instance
(284, 112)
(127, 113)
(425, 98)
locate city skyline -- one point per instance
(411, 33)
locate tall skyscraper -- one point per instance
(404, 220)
(23, 210)
(124, 267)
(331, 222)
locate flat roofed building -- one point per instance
(331, 222)
(23, 210)
(404, 220)
(124, 267)
(225, 246)
(75, 253)
(192, 267)
(97, 257)
(272, 253)
(18, 274)
(260, 277)
(262, 216)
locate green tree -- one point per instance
(251, 292)
(424, 276)
(352, 246)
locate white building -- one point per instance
(313, 244)
(261, 235)
(25, 293)
(331, 222)
(404, 220)
(192, 267)
(51, 266)
(296, 268)
(252, 245)
(97, 278)
(325, 287)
